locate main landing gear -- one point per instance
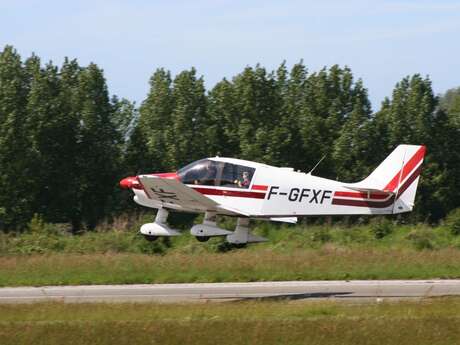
(202, 232)
(202, 238)
(242, 234)
(239, 238)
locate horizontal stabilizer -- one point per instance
(369, 190)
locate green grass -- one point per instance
(261, 265)
(293, 253)
(432, 321)
(124, 238)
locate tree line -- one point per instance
(65, 142)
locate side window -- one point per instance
(236, 176)
(228, 175)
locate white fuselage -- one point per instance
(282, 192)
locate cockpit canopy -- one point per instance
(208, 172)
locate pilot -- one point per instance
(244, 182)
(209, 176)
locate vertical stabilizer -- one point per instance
(398, 174)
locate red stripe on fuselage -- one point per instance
(233, 193)
(410, 165)
(259, 187)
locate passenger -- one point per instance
(244, 182)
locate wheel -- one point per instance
(150, 238)
(202, 238)
(239, 245)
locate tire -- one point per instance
(150, 238)
(202, 238)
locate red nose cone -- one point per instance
(129, 182)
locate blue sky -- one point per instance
(382, 41)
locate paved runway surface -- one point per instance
(302, 290)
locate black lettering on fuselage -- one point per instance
(326, 195)
(315, 196)
(305, 193)
(293, 194)
(272, 191)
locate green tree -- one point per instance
(328, 102)
(224, 121)
(69, 139)
(450, 103)
(97, 146)
(186, 140)
(123, 118)
(351, 149)
(379, 137)
(258, 103)
(285, 134)
(155, 119)
(15, 178)
(135, 159)
(45, 127)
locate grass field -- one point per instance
(123, 237)
(372, 251)
(432, 321)
(261, 265)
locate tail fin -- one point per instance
(398, 174)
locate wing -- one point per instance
(172, 192)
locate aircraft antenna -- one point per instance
(309, 173)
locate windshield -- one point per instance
(207, 172)
(202, 172)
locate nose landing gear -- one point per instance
(150, 238)
(152, 231)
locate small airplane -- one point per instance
(249, 190)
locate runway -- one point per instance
(292, 290)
